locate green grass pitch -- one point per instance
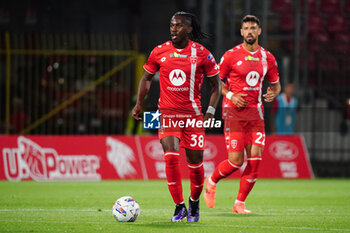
(318, 205)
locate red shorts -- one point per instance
(191, 136)
(238, 134)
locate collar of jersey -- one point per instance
(190, 42)
(252, 53)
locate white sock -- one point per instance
(242, 202)
(210, 181)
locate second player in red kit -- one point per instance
(244, 68)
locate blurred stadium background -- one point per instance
(72, 67)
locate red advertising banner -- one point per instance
(131, 157)
(285, 157)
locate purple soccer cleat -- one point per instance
(180, 213)
(193, 211)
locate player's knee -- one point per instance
(255, 154)
(194, 156)
(169, 147)
(194, 160)
(236, 159)
(238, 162)
(251, 175)
(170, 143)
(255, 151)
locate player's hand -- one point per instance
(270, 95)
(210, 117)
(238, 100)
(136, 111)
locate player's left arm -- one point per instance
(272, 75)
(272, 91)
(211, 70)
(214, 96)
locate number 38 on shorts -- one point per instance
(197, 141)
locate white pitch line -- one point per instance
(193, 225)
(55, 210)
(50, 221)
(282, 228)
(294, 213)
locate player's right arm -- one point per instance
(225, 69)
(151, 67)
(144, 86)
(236, 98)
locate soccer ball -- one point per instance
(126, 209)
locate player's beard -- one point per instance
(250, 41)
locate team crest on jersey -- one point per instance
(234, 143)
(252, 78)
(177, 77)
(193, 59)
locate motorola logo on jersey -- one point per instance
(252, 78)
(177, 77)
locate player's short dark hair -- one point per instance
(196, 34)
(250, 18)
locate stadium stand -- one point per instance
(330, 6)
(347, 6)
(341, 42)
(287, 22)
(312, 6)
(282, 6)
(337, 23)
(319, 41)
(315, 23)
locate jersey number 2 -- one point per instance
(260, 139)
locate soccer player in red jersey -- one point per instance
(182, 64)
(244, 68)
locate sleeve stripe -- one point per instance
(148, 70)
(275, 81)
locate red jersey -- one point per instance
(245, 72)
(181, 73)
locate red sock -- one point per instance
(248, 178)
(224, 169)
(197, 179)
(173, 175)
